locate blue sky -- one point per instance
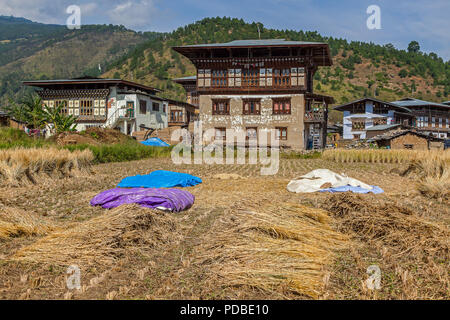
(401, 20)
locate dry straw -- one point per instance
(102, 239)
(384, 155)
(26, 165)
(16, 223)
(281, 249)
(433, 177)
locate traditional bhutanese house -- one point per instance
(408, 139)
(363, 114)
(257, 85)
(181, 113)
(109, 103)
(431, 117)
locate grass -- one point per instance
(122, 152)
(383, 156)
(127, 150)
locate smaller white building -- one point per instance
(108, 103)
(362, 114)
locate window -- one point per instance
(220, 133)
(359, 107)
(358, 124)
(250, 77)
(380, 121)
(281, 77)
(142, 106)
(251, 133)
(219, 78)
(221, 106)
(176, 116)
(251, 106)
(86, 108)
(281, 106)
(155, 106)
(408, 146)
(130, 109)
(281, 133)
(379, 108)
(64, 109)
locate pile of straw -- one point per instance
(25, 165)
(402, 239)
(103, 239)
(274, 249)
(433, 177)
(16, 223)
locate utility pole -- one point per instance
(259, 31)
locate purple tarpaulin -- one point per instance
(173, 199)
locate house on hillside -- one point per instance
(256, 85)
(373, 115)
(109, 103)
(431, 117)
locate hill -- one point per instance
(30, 50)
(360, 69)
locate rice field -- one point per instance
(384, 155)
(246, 237)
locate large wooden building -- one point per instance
(109, 103)
(256, 85)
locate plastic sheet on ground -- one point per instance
(160, 179)
(155, 142)
(175, 200)
(325, 180)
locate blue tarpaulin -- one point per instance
(375, 189)
(155, 142)
(160, 179)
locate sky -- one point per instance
(401, 20)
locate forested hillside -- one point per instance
(360, 69)
(31, 50)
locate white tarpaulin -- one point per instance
(319, 179)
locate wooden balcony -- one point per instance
(315, 116)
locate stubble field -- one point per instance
(246, 237)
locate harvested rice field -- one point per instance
(245, 237)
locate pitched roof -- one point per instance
(412, 102)
(88, 80)
(254, 43)
(342, 107)
(394, 134)
(383, 127)
(321, 54)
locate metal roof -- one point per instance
(87, 80)
(254, 43)
(411, 102)
(188, 78)
(392, 104)
(446, 102)
(320, 50)
(383, 127)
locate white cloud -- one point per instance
(133, 14)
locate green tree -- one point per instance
(403, 73)
(60, 122)
(414, 47)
